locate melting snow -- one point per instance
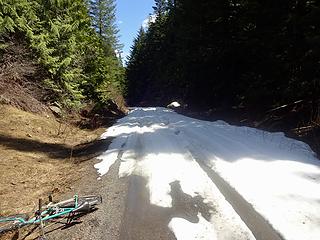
(279, 176)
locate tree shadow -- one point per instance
(81, 152)
(186, 206)
(211, 139)
(143, 219)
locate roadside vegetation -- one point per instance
(61, 84)
(74, 43)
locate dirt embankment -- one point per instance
(41, 155)
(41, 152)
(21, 78)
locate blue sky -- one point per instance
(130, 15)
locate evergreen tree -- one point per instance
(104, 21)
(223, 54)
(160, 7)
(135, 88)
(80, 64)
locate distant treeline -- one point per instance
(75, 41)
(223, 54)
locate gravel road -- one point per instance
(165, 191)
(105, 222)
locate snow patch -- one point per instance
(174, 105)
(278, 176)
(185, 230)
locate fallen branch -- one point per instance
(285, 106)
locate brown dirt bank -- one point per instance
(40, 155)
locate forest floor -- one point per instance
(40, 154)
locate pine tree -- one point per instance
(135, 85)
(160, 7)
(230, 53)
(80, 63)
(104, 21)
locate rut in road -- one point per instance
(154, 167)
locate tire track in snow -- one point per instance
(242, 157)
(158, 158)
(260, 228)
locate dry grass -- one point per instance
(35, 158)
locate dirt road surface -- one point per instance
(105, 222)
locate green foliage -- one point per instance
(103, 17)
(228, 53)
(79, 62)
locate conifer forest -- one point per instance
(247, 54)
(191, 119)
(74, 41)
(239, 56)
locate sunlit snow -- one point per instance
(174, 105)
(279, 176)
(186, 230)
